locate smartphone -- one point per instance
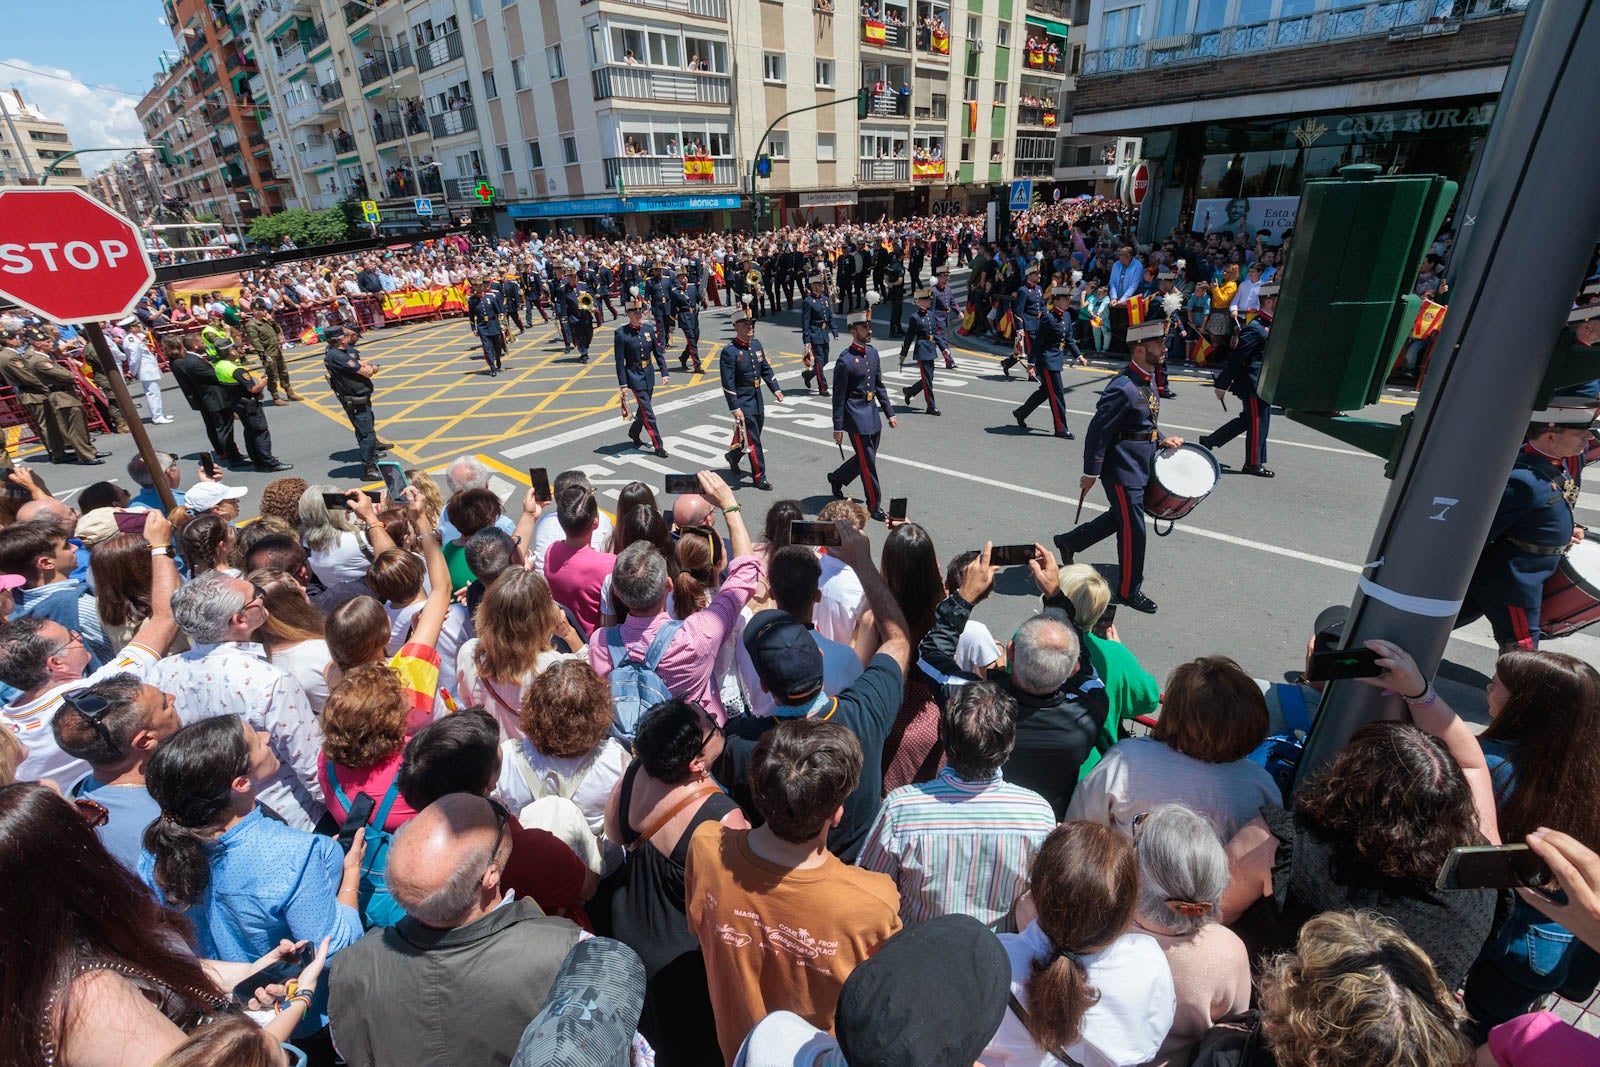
(1493, 867)
(394, 478)
(1011, 555)
(541, 484)
(130, 522)
(813, 533)
(1343, 663)
(1103, 624)
(678, 484)
(897, 508)
(335, 500)
(278, 972)
(209, 464)
(356, 816)
(14, 490)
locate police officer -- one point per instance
(1239, 376)
(350, 378)
(944, 306)
(1533, 527)
(636, 346)
(483, 312)
(658, 290)
(197, 379)
(1117, 450)
(920, 344)
(686, 300)
(1049, 360)
(744, 366)
(244, 393)
(894, 294)
(1026, 310)
(49, 390)
(266, 337)
(816, 330)
(858, 398)
(215, 329)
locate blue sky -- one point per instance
(60, 54)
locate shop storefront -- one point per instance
(632, 215)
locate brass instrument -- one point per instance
(752, 280)
(585, 301)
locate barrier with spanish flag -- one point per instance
(927, 168)
(1429, 319)
(698, 169)
(968, 318)
(424, 303)
(875, 32)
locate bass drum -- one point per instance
(1179, 479)
(1572, 593)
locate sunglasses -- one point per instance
(502, 818)
(93, 709)
(94, 813)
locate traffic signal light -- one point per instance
(863, 102)
(1346, 306)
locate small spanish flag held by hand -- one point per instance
(310, 337)
(1007, 325)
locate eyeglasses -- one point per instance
(1138, 823)
(73, 638)
(94, 813)
(93, 709)
(502, 818)
(716, 728)
(260, 597)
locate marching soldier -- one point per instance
(1025, 311)
(944, 306)
(606, 278)
(582, 315)
(844, 276)
(511, 301)
(816, 329)
(560, 294)
(533, 292)
(744, 366)
(1239, 377)
(918, 255)
(483, 312)
(894, 293)
(686, 300)
(49, 391)
(266, 336)
(858, 399)
(1117, 451)
(628, 275)
(244, 392)
(1049, 360)
(659, 292)
(920, 343)
(350, 377)
(636, 347)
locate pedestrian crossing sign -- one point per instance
(424, 206)
(1022, 195)
(369, 208)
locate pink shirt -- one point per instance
(691, 657)
(576, 577)
(1541, 1038)
(373, 781)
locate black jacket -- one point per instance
(197, 379)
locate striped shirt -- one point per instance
(957, 846)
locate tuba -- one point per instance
(752, 280)
(585, 301)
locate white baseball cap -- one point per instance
(204, 496)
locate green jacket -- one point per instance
(1131, 690)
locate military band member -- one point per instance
(606, 278)
(1118, 448)
(743, 366)
(561, 294)
(638, 353)
(1025, 312)
(944, 307)
(922, 347)
(658, 291)
(894, 294)
(1049, 360)
(483, 311)
(583, 315)
(511, 300)
(686, 300)
(858, 401)
(1239, 376)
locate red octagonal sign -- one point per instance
(67, 257)
(1139, 186)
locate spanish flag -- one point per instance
(972, 117)
(968, 318)
(1035, 57)
(1429, 319)
(1138, 307)
(874, 32)
(1007, 326)
(310, 337)
(1203, 350)
(941, 42)
(1049, 119)
(698, 169)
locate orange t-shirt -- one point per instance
(776, 938)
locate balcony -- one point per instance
(1088, 162)
(890, 104)
(354, 12)
(1032, 168)
(663, 86)
(459, 189)
(323, 201)
(1043, 117)
(885, 170)
(264, 169)
(266, 14)
(1040, 59)
(1395, 19)
(237, 181)
(1056, 9)
(257, 139)
(381, 64)
(459, 120)
(269, 126)
(330, 92)
(215, 113)
(649, 172)
(292, 57)
(301, 112)
(389, 127)
(204, 80)
(316, 155)
(314, 38)
(343, 143)
(933, 42)
(257, 87)
(429, 183)
(439, 52)
(877, 34)
(709, 9)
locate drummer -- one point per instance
(1585, 323)
(1534, 526)
(1118, 449)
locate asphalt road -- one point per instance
(1244, 575)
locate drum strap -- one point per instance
(1531, 549)
(1141, 435)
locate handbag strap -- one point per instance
(654, 826)
(1022, 1014)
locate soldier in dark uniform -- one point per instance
(1025, 312)
(628, 278)
(533, 292)
(844, 275)
(1049, 360)
(894, 294)
(350, 377)
(686, 300)
(744, 366)
(940, 254)
(858, 399)
(244, 391)
(583, 315)
(880, 268)
(1533, 527)
(919, 254)
(636, 348)
(943, 307)
(771, 278)
(511, 300)
(658, 291)
(483, 312)
(919, 343)
(560, 292)
(863, 266)
(49, 390)
(816, 330)
(605, 278)
(1117, 450)
(1239, 376)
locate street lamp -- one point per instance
(394, 88)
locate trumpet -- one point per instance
(585, 301)
(752, 279)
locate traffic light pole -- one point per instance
(50, 171)
(1531, 203)
(762, 144)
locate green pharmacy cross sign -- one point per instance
(484, 192)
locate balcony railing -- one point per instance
(885, 170)
(355, 12)
(257, 139)
(1058, 9)
(258, 90)
(711, 9)
(879, 34)
(437, 53)
(890, 104)
(323, 201)
(429, 182)
(671, 86)
(1378, 18)
(459, 120)
(328, 92)
(462, 188)
(386, 128)
(382, 64)
(269, 126)
(342, 143)
(298, 113)
(1041, 60)
(292, 57)
(1032, 168)
(316, 155)
(1046, 117)
(205, 80)
(238, 181)
(645, 172)
(933, 42)
(314, 38)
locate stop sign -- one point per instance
(1139, 184)
(67, 257)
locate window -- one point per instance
(966, 151)
(974, 25)
(997, 151)
(772, 66)
(778, 146)
(664, 49)
(489, 90)
(706, 55)
(535, 156)
(597, 46)
(554, 63)
(999, 93)
(476, 8)
(569, 149)
(826, 147)
(969, 89)
(519, 73)
(505, 157)
(940, 105)
(1002, 36)
(824, 74)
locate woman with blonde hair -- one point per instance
(515, 623)
(432, 499)
(292, 633)
(336, 552)
(1131, 691)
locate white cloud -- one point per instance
(95, 118)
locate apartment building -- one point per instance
(1238, 102)
(30, 143)
(131, 185)
(207, 107)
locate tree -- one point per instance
(303, 227)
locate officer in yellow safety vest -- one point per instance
(246, 389)
(215, 330)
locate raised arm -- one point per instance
(714, 489)
(430, 620)
(894, 634)
(159, 629)
(363, 508)
(523, 534)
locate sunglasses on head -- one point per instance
(93, 709)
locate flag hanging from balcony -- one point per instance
(698, 169)
(941, 42)
(874, 32)
(927, 168)
(972, 117)
(1036, 57)
(1049, 118)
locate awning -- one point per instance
(1057, 29)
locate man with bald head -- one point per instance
(496, 959)
(692, 509)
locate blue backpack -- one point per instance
(635, 686)
(1280, 755)
(376, 906)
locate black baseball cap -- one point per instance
(332, 333)
(1329, 628)
(786, 657)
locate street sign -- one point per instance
(369, 208)
(1139, 184)
(1022, 194)
(424, 206)
(67, 257)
